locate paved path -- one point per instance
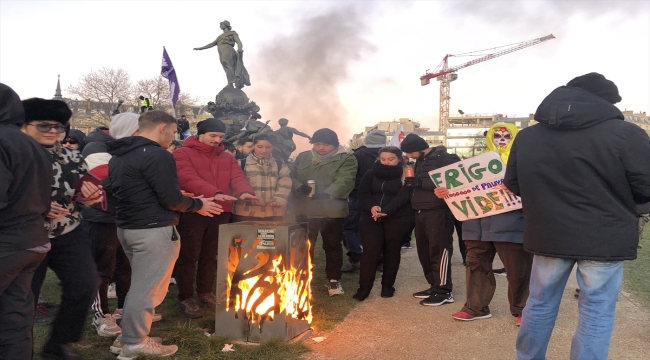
(400, 328)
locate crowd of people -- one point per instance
(128, 205)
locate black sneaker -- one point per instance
(387, 291)
(350, 267)
(437, 300)
(407, 246)
(190, 308)
(499, 272)
(423, 294)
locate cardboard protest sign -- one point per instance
(476, 187)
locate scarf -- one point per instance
(316, 158)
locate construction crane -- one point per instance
(446, 74)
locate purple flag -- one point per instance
(169, 73)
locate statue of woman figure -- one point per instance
(231, 60)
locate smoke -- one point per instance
(297, 75)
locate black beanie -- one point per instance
(41, 109)
(413, 143)
(210, 125)
(598, 85)
(326, 136)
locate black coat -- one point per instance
(145, 184)
(423, 196)
(366, 157)
(95, 153)
(382, 186)
(579, 174)
(25, 180)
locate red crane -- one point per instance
(446, 74)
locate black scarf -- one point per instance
(387, 172)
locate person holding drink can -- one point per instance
(333, 171)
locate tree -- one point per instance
(102, 89)
(157, 90)
(185, 102)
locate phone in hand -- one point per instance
(89, 178)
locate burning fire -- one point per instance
(273, 286)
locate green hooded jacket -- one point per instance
(334, 176)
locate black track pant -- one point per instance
(72, 261)
(17, 303)
(434, 231)
(112, 264)
(331, 230)
(375, 237)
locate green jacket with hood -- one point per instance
(334, 176)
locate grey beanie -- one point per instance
(376, 139)
(123, 125)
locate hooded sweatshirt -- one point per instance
(25, 180)
(145, 185)
(79, 136)
(579, 173)
(366, 157)
(97, 157)
(505, 227)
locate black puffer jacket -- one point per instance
(382, 186)
(144, 182)
(579, 174)
(423, 196)
(25, 180)
(366, 157)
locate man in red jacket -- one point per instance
(205, 169)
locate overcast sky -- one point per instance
(337, 64)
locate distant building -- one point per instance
(433, 138)
(465, 134)
(640, 119)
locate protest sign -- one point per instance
(476, 187)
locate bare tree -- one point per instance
(185, 103)
(157, 90)
(102, 89)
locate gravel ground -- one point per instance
(400, 328)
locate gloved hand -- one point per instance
(303, 189)
(321, 196)
(413, 181)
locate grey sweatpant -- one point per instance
(152, 255)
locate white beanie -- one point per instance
(123, 125)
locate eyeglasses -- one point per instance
(70, 141)
(47, 127)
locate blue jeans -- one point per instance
(351, 237)
(599, 283)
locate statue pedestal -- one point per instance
(232, 106)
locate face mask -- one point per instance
(501, 137)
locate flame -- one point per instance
(273, 286)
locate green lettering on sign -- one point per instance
(464, 209)
(450, 179)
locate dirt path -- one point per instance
(400, 328)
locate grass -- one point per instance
(636, 280)
(189, 334)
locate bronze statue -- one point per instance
(231, 60)
(284, 136)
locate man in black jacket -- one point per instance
(366, 156)
(434, 223)
(25, 193)
(149, 203)
(580, 173)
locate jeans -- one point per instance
(331, 231)
(599, 283)
(351, 237)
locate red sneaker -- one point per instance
(463, 316)
(519, 320)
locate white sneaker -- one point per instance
(172, 281)
(334, 288)
(148, 348)
(118, 344)
(117, 315)
(111, 294)
(106, 326)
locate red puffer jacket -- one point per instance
(207, 170)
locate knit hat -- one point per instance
(598, 85)
(41, 109)
(376, 139)
(413, 143)
(123, 125)
(326, 136)
(210, 125)
(11, 109)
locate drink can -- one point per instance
(409, 172)
(312, 185)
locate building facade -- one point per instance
(433, 138)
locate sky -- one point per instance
(338, 64)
